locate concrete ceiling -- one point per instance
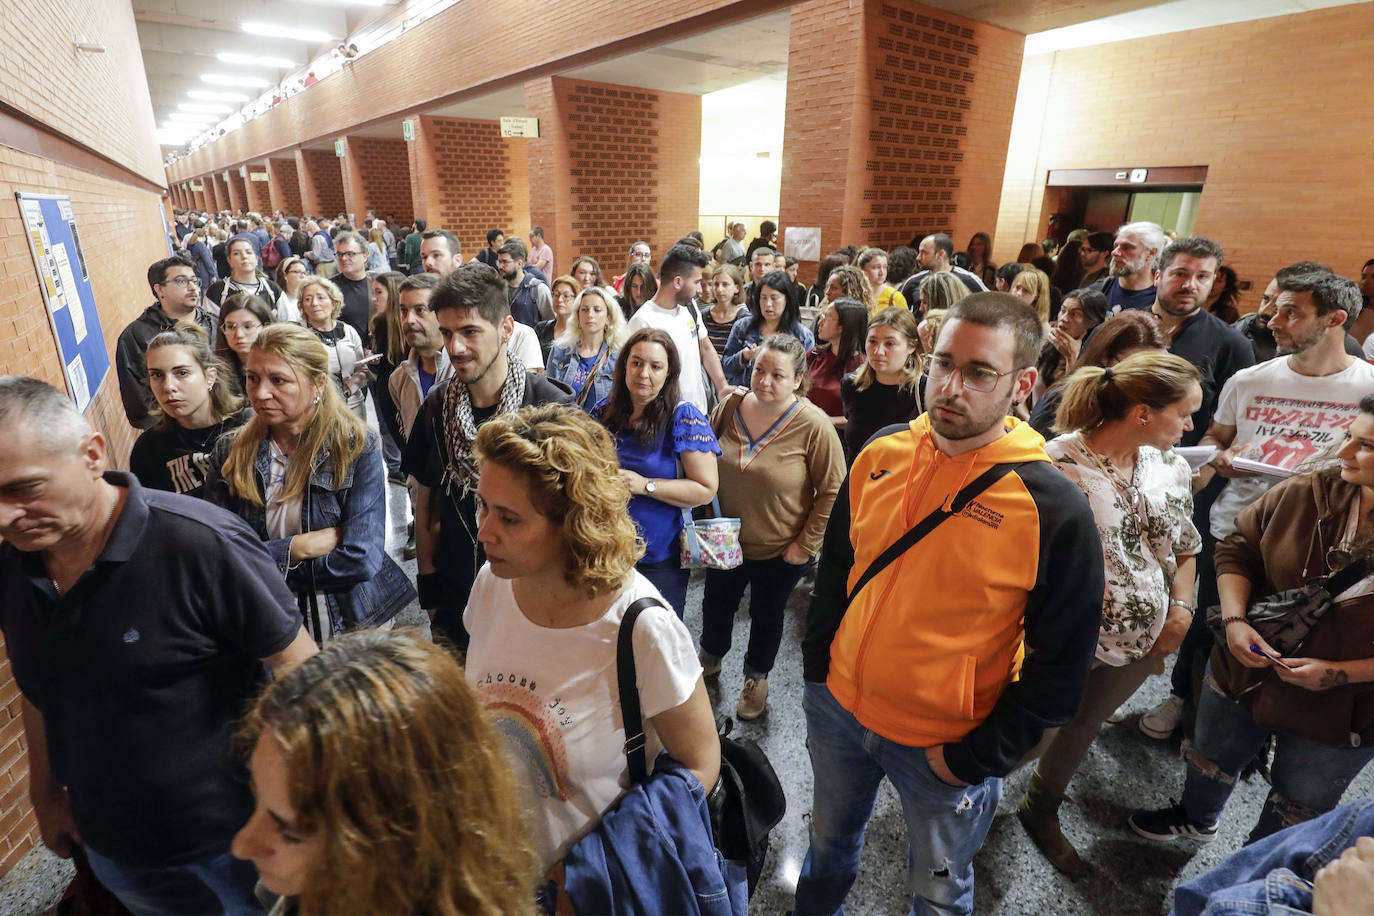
(181, 41)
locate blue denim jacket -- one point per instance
(361, 584)
(1274, 875)
(560, 366)
(746, 333)
(653, 853)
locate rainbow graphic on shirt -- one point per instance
(529, 729)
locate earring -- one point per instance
(317, 399)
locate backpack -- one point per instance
(271, 255)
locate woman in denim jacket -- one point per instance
(774, 308)
(307, 475)
(584, 357)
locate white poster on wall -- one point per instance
(802, 242)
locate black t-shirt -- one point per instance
(142, 668)
(458, 555)
(1119, 299)
(175, 459)
(871, 409)
(1218, 351)
(357, 307)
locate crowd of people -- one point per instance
(1018, 491)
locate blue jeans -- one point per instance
(1308, 778)
(770, 582)
(670, 579)
(1276, 871)
(220, 885)
(945, 824)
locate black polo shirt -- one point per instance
(1218, 351)
(142, 668)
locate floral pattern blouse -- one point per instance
(1146, 525)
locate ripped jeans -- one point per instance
(1308, 778)
(945, 825)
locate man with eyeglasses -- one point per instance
(177, 291)
(1092, 256)
(352, 281)
(939, 662)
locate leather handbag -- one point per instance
(1284, 619)
(747, 801)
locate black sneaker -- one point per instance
(1169, 824)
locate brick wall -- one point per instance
(628, 158)
(468, 179)
(1285, 146)
(259, 197)
(121, 232)
(895, 119)
(99, 100)
(321, 178)
(377, 177)
(285, 184)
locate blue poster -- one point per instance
(66, 283)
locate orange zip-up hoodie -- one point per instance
(981, 635)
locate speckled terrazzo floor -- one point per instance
(1124, 770)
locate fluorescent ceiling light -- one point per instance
(217, 96)
(173, 136)
(205, 107)
(275, 30)
(253, 60)
(228, 79)
(192, 116)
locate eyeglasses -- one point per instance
(297, 271)
(975, 378)
(349, 254)
(183, 282)
(231, 328)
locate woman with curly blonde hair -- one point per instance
(382, 788)
(544, 614)
(848, 282)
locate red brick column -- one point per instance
(220, 189)
(377, 177)
(466, 178)
(322, 192)
(284, 186)
(259, 197)
(897, 123)
(238, 194)
(612, 165)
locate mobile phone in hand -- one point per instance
(1278, 660)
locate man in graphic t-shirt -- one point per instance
(1296, 407)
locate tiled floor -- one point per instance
(1124, 770)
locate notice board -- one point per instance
(66, 284)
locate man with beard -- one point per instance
(473, 317)
(1092, 257)
(1131, 284)
(1255, 326)
(1180, 286)
(956, 608)
(530, 300)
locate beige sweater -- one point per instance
(784, 489)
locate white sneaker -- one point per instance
(1161, 721)
(753, 698)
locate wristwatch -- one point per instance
(651, 487)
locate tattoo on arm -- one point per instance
(1333, 677)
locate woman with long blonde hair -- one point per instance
(382, 787)
(584, 357)
(306, 474)
(1032, 287)
(321, 303)
(544, 614)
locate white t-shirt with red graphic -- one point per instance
(1286, 419)
(553, 699)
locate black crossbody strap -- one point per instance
(635, 756)
(1343, 578)
(932, 521)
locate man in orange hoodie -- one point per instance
(939, 663)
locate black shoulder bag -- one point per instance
(747, 801)
(932, 521)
